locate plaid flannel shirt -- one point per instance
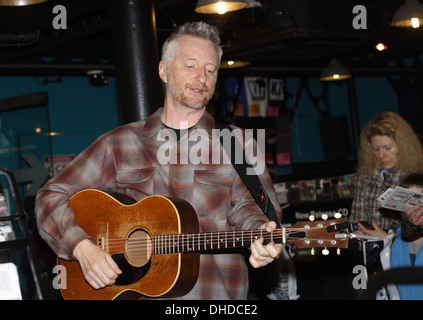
(365, 205)
(125, 160)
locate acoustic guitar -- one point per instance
(156, 243)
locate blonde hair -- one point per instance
(397, 128)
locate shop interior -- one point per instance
(311, 73)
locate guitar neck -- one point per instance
(208, 241)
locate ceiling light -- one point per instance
(219, 6)
(335, 71)
(231, 64)
(381, 46)
(410, 14)
(16, 3)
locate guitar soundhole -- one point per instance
(138, 248)
(130, 274)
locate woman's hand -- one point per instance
(377, 232)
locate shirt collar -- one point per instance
(206, 123)
(153, 124)
(386, 173)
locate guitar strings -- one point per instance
(148, 249)
(209, 236)
(173, 249)
(198, 242)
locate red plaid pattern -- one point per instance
(125, 160)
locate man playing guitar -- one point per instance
(125, 161)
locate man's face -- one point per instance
(191, 78)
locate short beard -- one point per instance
(182, 100)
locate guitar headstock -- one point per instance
(318, 234)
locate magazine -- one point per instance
(400, 199)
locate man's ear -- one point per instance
(163, 71)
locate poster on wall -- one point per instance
(263, 100)
(57, 162)
(276, 97)
(256, 93)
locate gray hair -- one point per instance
(196, 29)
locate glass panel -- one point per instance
(13, 124)
(66, 146)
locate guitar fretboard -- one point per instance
(207, 241)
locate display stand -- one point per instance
(16, 222)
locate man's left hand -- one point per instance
(261, 254)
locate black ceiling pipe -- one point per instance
(139, 88)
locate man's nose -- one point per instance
(202, 75)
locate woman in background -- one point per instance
(389, 150)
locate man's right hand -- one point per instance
(98, 267)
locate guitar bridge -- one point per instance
(102, 236)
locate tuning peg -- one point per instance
(337, 215)
(324, 216)
(311, 217)
(325, 251)
(312, 251)
(338, 251)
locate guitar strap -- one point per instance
(252, 182)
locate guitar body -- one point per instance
(156, 244)
(117, 228)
